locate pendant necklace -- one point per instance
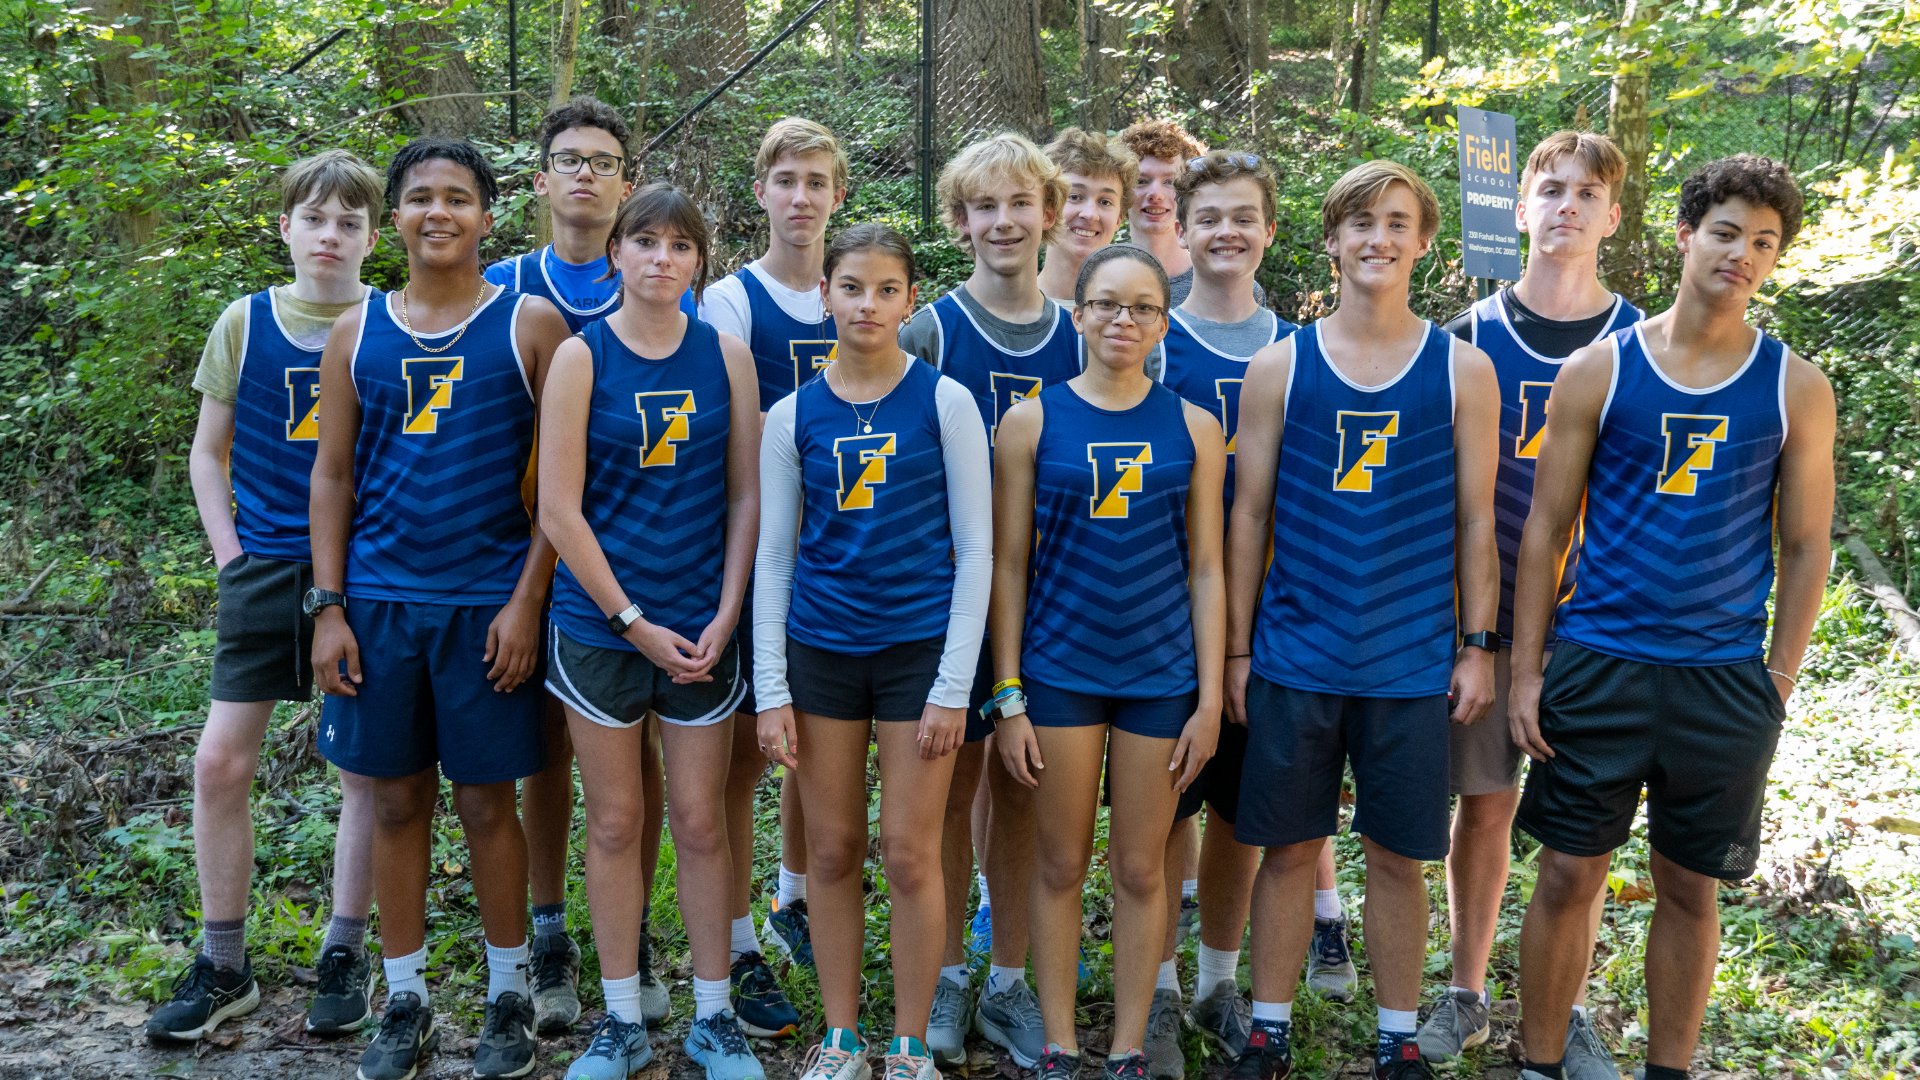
(864, 424)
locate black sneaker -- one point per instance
(1056, 1064)
(763, 1010)
(1268, 1055)
(1406, 1064)
(406, 1036)
(341, 1003)
(203, 996)
(1131, 1067)
(507, 1046)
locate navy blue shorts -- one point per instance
(1297, 743)
(743, 636)
(979, 727)
(425, 699)
(1218, 784)
(1149, 718)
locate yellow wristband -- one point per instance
(1002, 685)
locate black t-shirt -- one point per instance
(1544, 336)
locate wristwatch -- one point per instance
(1485, 639)
(619, 622)
(318, 599)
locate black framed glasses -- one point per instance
(1244, 161)
(1142, 314)
(601, 164)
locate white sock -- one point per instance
(407, 975)
(623, 998)
(1398, 1021)
(792, 887)
(1326, 904)
(986, 898)
(745, 938)
(1169, 976)
(1000, 979)
(507, 970)
(1216, 966)
(1189, 888)
(955, 974)
(1274, 1012)
(1485, 999)
(709, 997)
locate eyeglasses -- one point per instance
(601, 164)
(1244, 161)
(1142, 314)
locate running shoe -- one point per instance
(909, 1059)
(203, 996)
(1587, 1057)
(1131, 1067)
(716, 1045)
(839, 1056)
(763, 1010)
(1225, 1016)
(948, 1022)
(1057, 1064)
(654, 1004)
(507, 1046)
(1164, 1059)
(1189, 916)
(1458, 1023)
(1330, 970)
(406, 1036)
(618, 1050)
(554, 971)
(1011, 1021)
(1406, 1064)
(1267, 1055)
(342, 1000)
(786, 926)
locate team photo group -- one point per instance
(1096, 528)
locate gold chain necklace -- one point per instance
(407, 325)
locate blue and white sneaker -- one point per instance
(787, 926)
(760, 1006)
(840, 1056)
(618, 1050)
(716, 1045)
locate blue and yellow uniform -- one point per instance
(1210, 378)
(440, 535)
(582, 291)
(1109, 627)
(787, 352)
(1354, 638)
(995, 376)
(1659, 677)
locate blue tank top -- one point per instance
(787, 352)
(1526, 378)
(576, 290)
(1210, 378)
(1676, 553)
(1359, 598)
(445, 440)
(276, 431)
(1109, 611)
(875, 561)
(656, 484)
(996, 378)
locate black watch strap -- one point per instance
(317, 600)
(1484, 639)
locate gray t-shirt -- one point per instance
(921, 335)
(1243, 338)
(1179, 285)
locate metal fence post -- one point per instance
(926, 116)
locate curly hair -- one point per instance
(1761, 181)
(583, 112)
(458, 151)
(1093, 154)
(1162, 139)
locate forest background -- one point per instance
(137, 196)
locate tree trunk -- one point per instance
(1059, 15)
(1211, 41)
(646, 23)
(436, 73)
(1624, 257)
(127, 83)
(566, 49)
(1354, 88)
(991, 75)
(1102, 33)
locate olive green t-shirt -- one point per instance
(306, 324)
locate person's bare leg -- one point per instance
(353, 848)
(833, 776)
(981, 814)
(497, 850)
(654, 809)
(1324, 877)
(402, 845)
(1063, 848)
(913, 796)
(1283, 918)
(1011, 831)
(1683, 945)
(793, 826)
(610, 773)
(1556, 948)
(1137, 830)
(1477, 864)
(696, 762)
(1190, 862)
(1174, 854)
(1227, 869)
(1396, 927)
(956, 848)
(224, 765)
(744, 770)
(546, 801)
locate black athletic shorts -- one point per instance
(1297, 741)
(616, 688)
(1218, 784)
(979, 727)
(263, 641)
(743, 636)
(1700, 739)
(891, 684)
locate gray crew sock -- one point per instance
(344, 931)
(225, 943)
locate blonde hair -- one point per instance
(1363, 185)
(1001, 163)
(1593, 151)
(1162, 139)
(1219, 167)
(331, 173)
(1091, 154)
(797, 135)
